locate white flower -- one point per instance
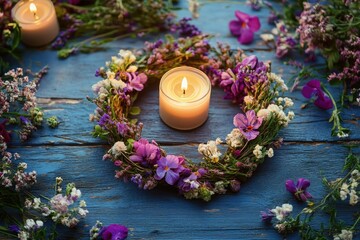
(23, 235)
(82, 204)
(270, 152)
(343, 195)
(263, 113)
(279, 81)
(118, 148)
(234, 138)
(287, 207)
(248, 99)
(132, 69)
(83, 212)
(39, 223)
(110, 75)
(344, 235)
(267, 37)
(258, 151)
(117, 84)
(341, 134)
(75, 193)
(127, 55)
(29, 224)
(210, 150)
(37, 203)
(353, 198)
(288, 102)
(291, 115)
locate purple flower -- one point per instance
(104, 120)
(122, 128)
(313, 88)
(185, 29)
(267, 216)
(4, 133)
(136, 81)
(24, 120)
(244, 27)
(168, 167)
(299, 191)
(114, 232)
(248, 124)
(146, 153)
(14, 228)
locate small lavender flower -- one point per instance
(248, 124)
(168, 167)
(299, 190)
(185, 29)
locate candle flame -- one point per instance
(184, 85)
(33, 8)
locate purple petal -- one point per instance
(302, 184)
(235, 27)
(308, 92)
(135, 158)
(250, 115)
(240, 121)
(257, 123)
(242, 16)
(314, 83)
(250, 135)
(160, 173)
(323, 102)
(172, 161)
(290, 186)
(250, 61)
(254, 23)
(171, 177)
(246, 37)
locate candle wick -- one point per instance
(183, 91)
(36, 16)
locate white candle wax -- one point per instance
(184, 110)
(38, 21)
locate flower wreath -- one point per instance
(245, 80)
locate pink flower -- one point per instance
(3, 132)
(244, 27)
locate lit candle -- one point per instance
(38, 21)
(184, 98)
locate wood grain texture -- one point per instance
(69, 151)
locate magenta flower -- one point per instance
(145, 153)
(114, 232)
(169, 168)
(313, 88)
(299, 190)
(3, 132)
(136, 82)
(248, 124)
(244, 27)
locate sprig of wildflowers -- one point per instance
(341, 189)
(246, 81)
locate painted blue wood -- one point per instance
(69, 151)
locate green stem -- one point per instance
(355, 223)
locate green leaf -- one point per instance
(135, 111)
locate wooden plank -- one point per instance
(150, 212)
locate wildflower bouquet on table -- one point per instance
(333, 29)
(104, 21)
(247, 81)
(22, 214)
(9, 34)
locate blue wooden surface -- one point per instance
(69, 151)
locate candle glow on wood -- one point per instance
(37, 20)
(184, 98)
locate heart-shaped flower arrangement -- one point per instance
(245, 80)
